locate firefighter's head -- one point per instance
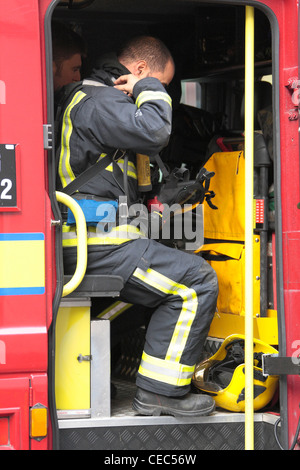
(68, 50)
(146, 56)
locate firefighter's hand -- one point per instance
(126, 83)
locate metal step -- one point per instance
(126, 430)
(112, 424)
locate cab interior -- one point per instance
(207, 42)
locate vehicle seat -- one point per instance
(97, 286)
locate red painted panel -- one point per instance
(287, 16)
(14, 407)
(24, 318)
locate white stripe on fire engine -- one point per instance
(114, 310)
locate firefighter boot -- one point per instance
(148, 403)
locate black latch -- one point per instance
(81, 358)
(273, 364)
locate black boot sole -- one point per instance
(156, 410)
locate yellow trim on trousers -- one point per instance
(169, 369)
(117, 235)
(172, 373)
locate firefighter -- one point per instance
(68, 51)
(124, 105)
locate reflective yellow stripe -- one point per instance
(65, 171)
(152, 96)
(114, 310)
(117, 235)
(169, 372)
(188, 310)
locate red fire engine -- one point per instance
(55, 373)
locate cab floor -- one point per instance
(123, 394)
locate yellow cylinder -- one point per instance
(143, 172)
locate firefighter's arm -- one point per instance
(141, 123)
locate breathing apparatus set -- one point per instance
(172, 187)
(179, 202)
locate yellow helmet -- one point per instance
(223, 375)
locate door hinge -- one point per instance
(273, 364)
(48, 136)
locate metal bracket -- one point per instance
(273, 364)
(48, 136)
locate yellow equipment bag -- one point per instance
(224, 232)
(228, 184)
(228, 260)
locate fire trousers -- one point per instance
(181, 288)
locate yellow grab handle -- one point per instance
(249, 131)
(81, 242)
